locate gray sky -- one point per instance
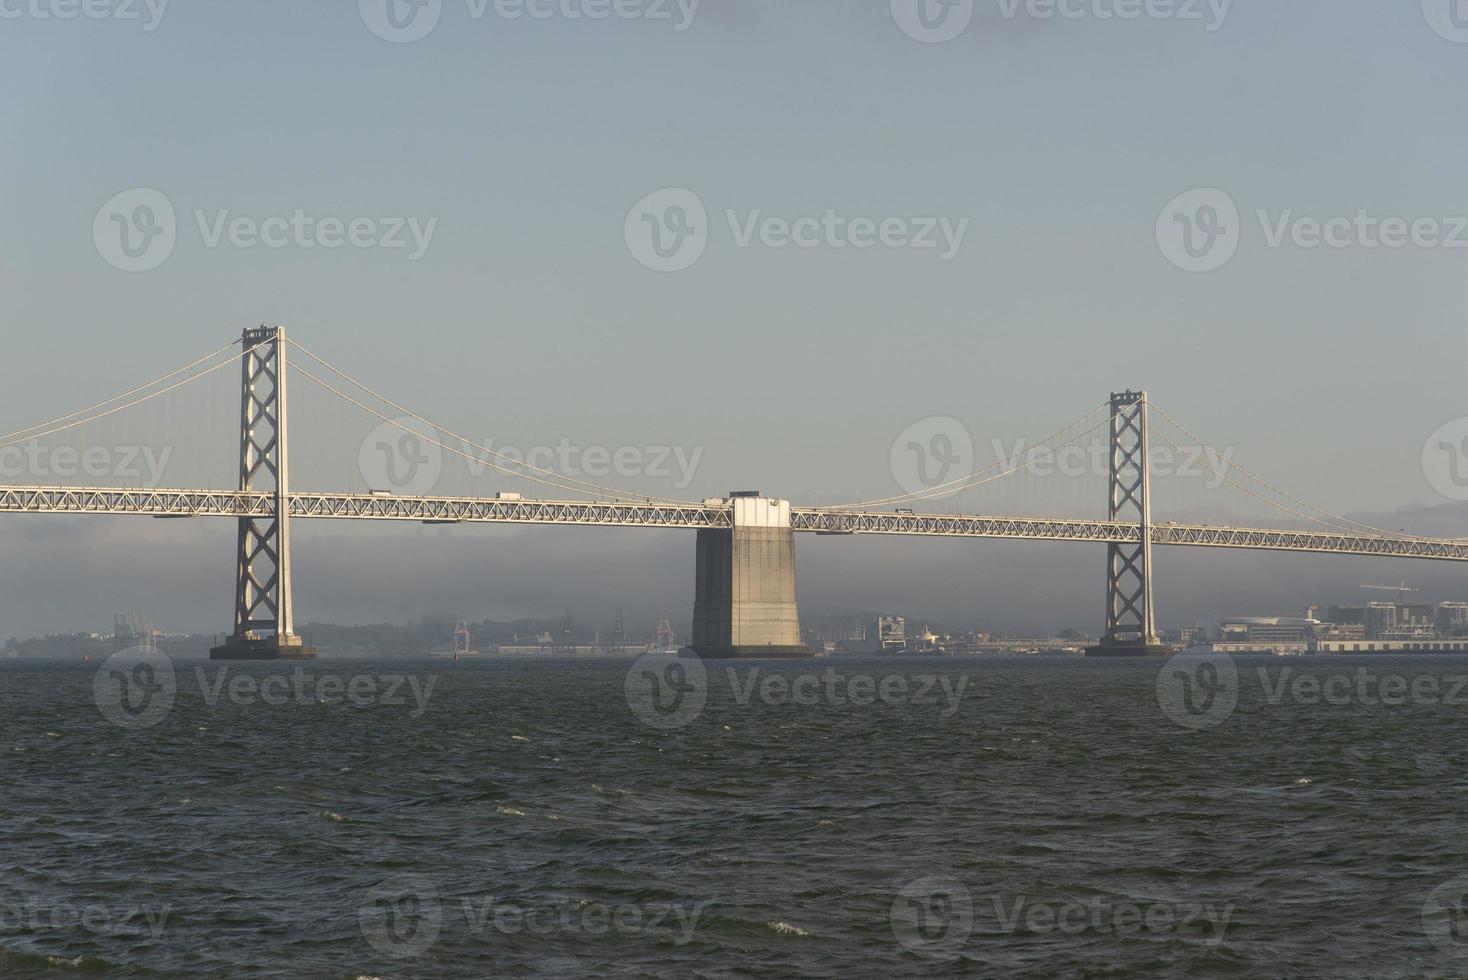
(530, 317)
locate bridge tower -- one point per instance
(744, 591)
(263, 615)
(619, 634)
(1131, 628)
(566, 639)
(663, 640)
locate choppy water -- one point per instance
(1051, 818)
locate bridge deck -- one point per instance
(631, 513)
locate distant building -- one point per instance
(1452, 618)
(1381, 617)
(1415, 645)
(1416, 614)
(885, 634)
(1341, 631)
(1339, 615)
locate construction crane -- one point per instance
(1401, 590)
(665, 642)
(463, 641)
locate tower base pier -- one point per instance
(744, 594)
(263, 648)
(1126, 650)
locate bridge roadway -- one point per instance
(632, 513)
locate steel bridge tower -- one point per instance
(619, 634)
(1131, 627)
(264, 626)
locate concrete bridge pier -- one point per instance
(744, 595)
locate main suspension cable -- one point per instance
(615, 494)
(6, 442)
(109, 401)
(951, 486)
(522, 464)
(1268, 486)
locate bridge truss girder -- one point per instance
(481, 510)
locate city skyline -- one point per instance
(987, 349)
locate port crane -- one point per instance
(1401, 590)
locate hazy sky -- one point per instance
(1043, 152)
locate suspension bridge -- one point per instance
(744, 591)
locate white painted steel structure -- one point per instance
(264, 505)
(480, 510)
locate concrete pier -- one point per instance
(1123, 651)
(744, 596)
(263, 648)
